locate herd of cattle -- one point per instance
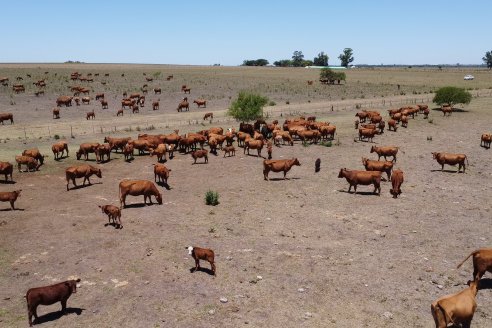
(457, 308)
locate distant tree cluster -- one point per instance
(329, 76)
(346, 57)
(488, 59)
(255, 62)
(74, 62)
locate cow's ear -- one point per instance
(67, 284)
(78, 280)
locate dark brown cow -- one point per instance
(120, 112)
(56, 113)
(208, 115)
(155, 105)
(183, 105)
(451, 159)
(381, 126)
(10, 196)
(104, 104)
(364, 178)
(64, 100)
(31, 163)
(482, 262)
(6, 169)
(49, 295)
(113, 213)
(6, 117)
(396, 182)
(139, 188)
(81, 171)
(99, 96)
(385, 151)
(157, 90)
(90, 115)
(485, 140)
(278, 165)
(202, 254)
(199, 154)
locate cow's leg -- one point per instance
(442, 167)
(355, 189)
(285, 173)
(350, 187)
(12, 204)
(74, 183)
(64, 305)
(197, 264)
(212, 264)
(89, 180)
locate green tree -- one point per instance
(488, 59)
(283, 63)
(321, 59)
(297, 58)
(248, 106)
(257, 62)
(452, 96)
(327, 75)
(347, 57)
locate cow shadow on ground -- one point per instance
(210, 272)
(485, 284)
(52, 316)
(60, 158)
(10, 209)
(164, 184)
(282, 179)
(114, 225)
(131, 159)
(363, 193)
(7, 182)
(258, 156)
(139, 205)
(199, 163)
(84, 186)
(446, 171)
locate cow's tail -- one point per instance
(473, 253)
(466, 160)
(401, 150)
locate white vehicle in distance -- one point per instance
(469, 77)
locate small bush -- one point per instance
(150, 127)
(429, 138)
(56, 136)
(326, 143)
(212, 198)
(287, 102)
(137, 128)
(431, 121)
(272, 103)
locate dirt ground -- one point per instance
(300, 252)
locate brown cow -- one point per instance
(113, 213)
(120, 112)
(34, 153)
(392, 125)
(117, 143)
(138, 188)
(362, 116)
(155, 105)
(56, 113)
(81, 171)
(366, 134)
(31, 163)
(6, 117)
(199, 154)
(328, 132)
(142, 145)
(382, 166)
(254, 144)
(202, 254)
(364, 178)
(183, 105)
(482, 262)
(101, 151)
(85, 149)
(104, 104)
(48, 295)
(157, 90)
(200, 103)
(396, 182)
(10, 196)
(186, 90)
(485, 140)
(385, 151)
(99, 96)
(451, 159)
(90, 115)
(381, 126)
(161, 173)
(278, 165)
(446, 110)
(64, 100)
(229, 150)
(128, 152)
(160, 152)
(6, 169)
(404, 121)
(457, 308)
(59, 149)
(312, 135)
(208, 115)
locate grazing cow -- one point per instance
(64, 100)
(404, 121)
(90, 115)
(229, 150)
(381, 166)
(38, 93)
(482, 262)
(81, 171)
(86, 100)
(362, 116)
(113, 213)
(312, 135)
(155, 105)
(200, 103)
(457, 308)
(85, 149)
(161, 173)
(128, 151)
(160, 151)
(183, 105)
(202, 254)
(254, 144)
(451, 159)
(59, 149)
(446, 110)
(396, 181)
(56, 113)
(101, 151)
(392, 125)
(48, 295)
(385, 151)
(486, 140)
(104, 104)
(120, 112)
(199, 154)
(6, 117)
(99, 96)
(127, 103)
(117, 143)
(10, 196)
(328, 132)
(426, 113)
(34, 153)
(157, 90)
(139, 188)
(364, 178)
(6, 169)
(208, 115)
(187, 90)
(31, 163)
(77, 101)
(366, 134)
(278, 165)
(141, 145)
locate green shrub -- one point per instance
(56, 136)
(248, 106)
(452, 96)
(212, 198)
(272, 103)
(326, 143)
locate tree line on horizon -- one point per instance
(298, 60)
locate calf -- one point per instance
(482, 262)
(200, 103)
(199, 154)
(10, 196)
(59, 149)
(161, 173)
(101, 151)
(446, 110)
(49, 295)
(486, 140)
(451, 159)
(365, 178)
(155, 105)
(6, 169)
(104, 104)
(396, 181)
(229, 150)
(202, 254)
(128, 151)
(456, 308)
(113, 213)
(56, 113)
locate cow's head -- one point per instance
(435, 155)
(72, 285)
(364, 161)
(78, 154)
(373, 149)
(190, 249)
(341, 174)
(159, 198)
(98, 173)
(296, 162)
(17, 192)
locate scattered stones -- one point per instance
(301, 290)
(308, 315)
(223, 300)
(211, 312)
(388, 315)
(440, 286)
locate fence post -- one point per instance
(71, 132)
(25, 135)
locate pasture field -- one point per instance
(300, 252)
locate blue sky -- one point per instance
(204, 32)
